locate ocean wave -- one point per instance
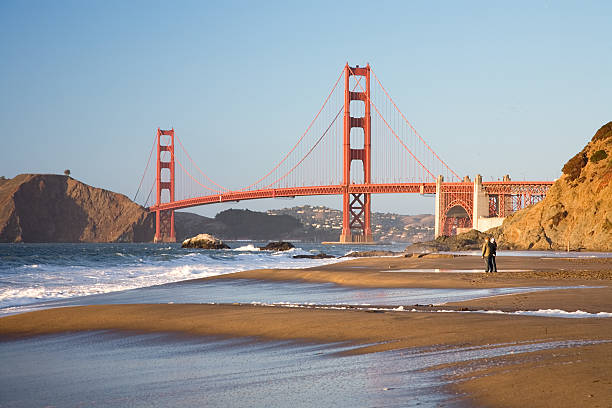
(249, 247)
(59, 281)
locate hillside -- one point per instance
(57, 208)
(326, 224)
(577, 211)
(240, 224)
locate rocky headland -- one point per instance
(58, 208)
(577, 211)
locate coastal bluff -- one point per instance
(577, 211)
(58, 208)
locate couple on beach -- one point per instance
(489, 250)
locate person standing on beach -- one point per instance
(493, 246)
(486, 255)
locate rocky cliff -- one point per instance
(54, 208)
(577, 211)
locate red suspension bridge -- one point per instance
(335, 156)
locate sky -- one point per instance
(494, 87)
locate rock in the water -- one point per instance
(321, 255)
(278, 246)
(204, 241)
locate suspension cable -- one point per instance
(316, 143)
(194, 179)
(201, 172)
(149, 195)
(394, 134)
(145, 170)
(309, 151)
(300, 139)
(411, 127)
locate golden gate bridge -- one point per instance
(358, 144)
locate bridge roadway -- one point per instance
(423, 188)
(494, 187)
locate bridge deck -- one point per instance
(499, 187)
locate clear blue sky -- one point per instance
(494, 87)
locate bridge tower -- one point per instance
(164, 219)
(356, 206)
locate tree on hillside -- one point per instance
(67, 172)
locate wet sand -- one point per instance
(564, 377)
(445, 272)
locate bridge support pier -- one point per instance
(356, 215)
(356, 210)
(164, 219)
(438, 208)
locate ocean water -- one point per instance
(283, 294)
(33, 273)
(36, 274)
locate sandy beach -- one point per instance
(578, 376)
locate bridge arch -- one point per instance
(456, 215)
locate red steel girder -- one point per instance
(450, 225)
(507, 197)
(517, 187)
(357, 210)
(418, 188)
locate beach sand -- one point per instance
(579, 376)
(446, 271)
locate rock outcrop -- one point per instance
(277, 246)
(58, 208)
(321, 255)
(577, 211)
(204, 241)
(468, 241)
